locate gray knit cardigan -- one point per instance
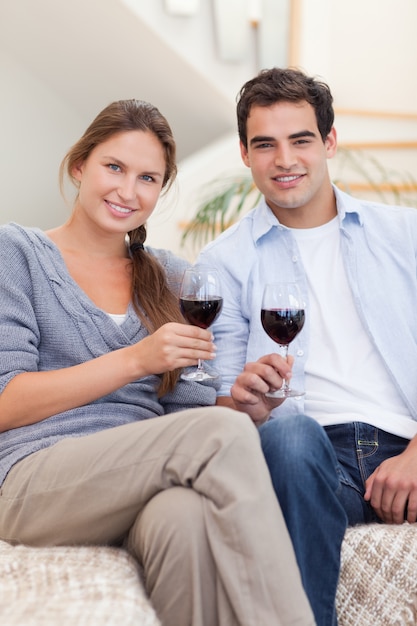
(47, 322)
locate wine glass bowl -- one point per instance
(282, 318)
(200, 313)
(200, 303)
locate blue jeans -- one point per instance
(319, 476)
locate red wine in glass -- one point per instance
(200, 303)
(282, 318)
(282, 325)
(201, 313)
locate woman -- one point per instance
(91, 346)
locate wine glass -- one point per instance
(282, 317)
(200, 304)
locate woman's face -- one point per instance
(121, 180)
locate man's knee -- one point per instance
(293, 438)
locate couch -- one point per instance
(102, 586)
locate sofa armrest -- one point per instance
(378, 579)
(71, 586)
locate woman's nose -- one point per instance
(127, 188)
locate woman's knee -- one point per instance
(225, 426)
(222, 416)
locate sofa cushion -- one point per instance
(65, 586)
(378, 581)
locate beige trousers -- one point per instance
(191, 497)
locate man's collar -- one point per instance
(264, 219)
(347, 205)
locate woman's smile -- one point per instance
(118, 209)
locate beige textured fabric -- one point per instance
(378, 584)
(71, 587)
(102, 586)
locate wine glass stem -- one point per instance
(284, 350)
(200, 367)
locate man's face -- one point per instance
(288, 160)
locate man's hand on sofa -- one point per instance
(392, 488)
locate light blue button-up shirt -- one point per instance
(379, 248)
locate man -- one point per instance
(346, 451)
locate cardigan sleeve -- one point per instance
(19, 330)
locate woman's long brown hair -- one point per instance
(154, 302)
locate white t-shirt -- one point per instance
(118, 318)
(345, 377)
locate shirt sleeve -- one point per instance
(231, 329)
(19, 331)
(191, 395)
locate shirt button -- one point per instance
(295, 259)
(300, 352)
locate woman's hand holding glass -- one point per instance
(173, 346)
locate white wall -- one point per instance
(37, 127)
(365, 49)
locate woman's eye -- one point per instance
(114, 167)
(148, 178)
